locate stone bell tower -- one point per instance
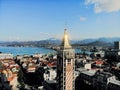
(66, 65)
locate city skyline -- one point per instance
(43, 19)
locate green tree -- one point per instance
(20, 78)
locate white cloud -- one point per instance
(83, 18)
(104, 5)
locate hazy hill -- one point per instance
(51, 41)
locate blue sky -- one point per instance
(42, 19)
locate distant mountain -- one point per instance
(86, 41)
(41, 43)
(103, 39)
(52, 41)
(110, 40)
(100, 43)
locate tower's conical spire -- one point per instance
(65, 42)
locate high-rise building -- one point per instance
(66, 65)
(117, 45)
